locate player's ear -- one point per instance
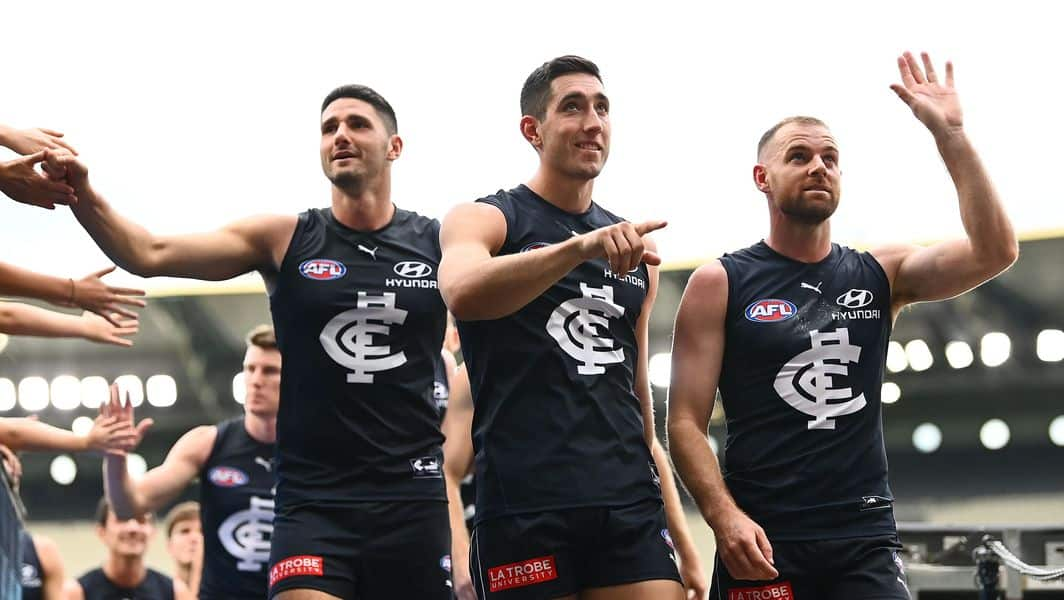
(530, 130)
(761, 178)
(395, 147)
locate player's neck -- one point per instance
(125, 571)
(567, 193)
(261, 429)
(800, 241)
(367, 208)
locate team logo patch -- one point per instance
(521, 574)
(227, 477)
(812, 381)
(322, 269)
(297, 565)
(855, 298)
(535, 246)
(412, 269)
(770, 310)
(775, 591)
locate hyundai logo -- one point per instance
(412, 269)
(855, 299)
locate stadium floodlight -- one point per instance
(239, 391)
(994, 434)
(1056, 431)
(890, 393)
(959, 354)
(927, 437)
(66, 392)
(162, 390)
(8, 398)
(896, 361)
(1050, 345)
(130, 389)
(81, 426)
(994, 349)
(63, 470)
(919, 355)
(94, 392)
(33, 394)
(660, 369)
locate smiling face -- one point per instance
(573, 138)
(127, 538)
(798, 171)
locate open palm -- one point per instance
(934, 103)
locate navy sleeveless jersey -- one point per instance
(236, 507)
(359, 322)
(805, 345)
(155, 586)
(30, 573)
(557, 423)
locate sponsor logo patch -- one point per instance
(855, 299)
(296, 565)
(412, 269)
(426, 467)
(522, 573)
(227, 477)
(775, 591)
(322, 269)
(770, 310)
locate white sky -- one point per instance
(192, 114)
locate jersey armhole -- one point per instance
(508, 216)
(219, 432)
(302, 225)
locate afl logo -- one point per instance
(535, 246)
(668, 538)
(855, 299)
(227, 477)
(770, 310)
(322, 269)
(412, 269)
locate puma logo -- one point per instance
(265, 464)
(815, 288)
(372, 253)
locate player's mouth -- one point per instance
(342, 154)
(589, 146)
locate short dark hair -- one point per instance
(771, 133)
(535, 94)
(262, 336)
(185, 511)
(369, 96)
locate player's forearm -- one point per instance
(674, 512)
(988, 226)
(128, 244)
(24, 319)
(120, 490)
(697, 466)
(502, 285)
(27, 434)
(456, 512)
(6, 134)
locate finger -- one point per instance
(610, 246)
(131, 301)
(125, 291)
(108, 316)
(102, 272)
(122, 312)
(758, 563)
(117, 341)
(635, 241)
(929, 69)
(651, 258)
(624, 251)
(51, 132)
(66, 145)
(914, 68)
(32, 159)
(764, 545)
(949, 73)
(903, 93)
(59, 188)
(906, 74)
(648, 226)
(144, 426)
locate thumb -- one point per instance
(32, 159)
(651, 258)
(144, 425)
(903, 93)
(765, 546)
(102, 272)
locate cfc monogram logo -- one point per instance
(246, 534)
(348, 337)
(809, 375)
(580, 326)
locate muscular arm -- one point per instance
(162, 484)
(949, 268)
(457, 462)
(52, 572)
(478, 285)
(697, 354)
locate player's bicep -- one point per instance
(698, 346)
(935, 272)
(254, 243)
(471, 234)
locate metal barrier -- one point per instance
(955, 562)
(11, 514)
